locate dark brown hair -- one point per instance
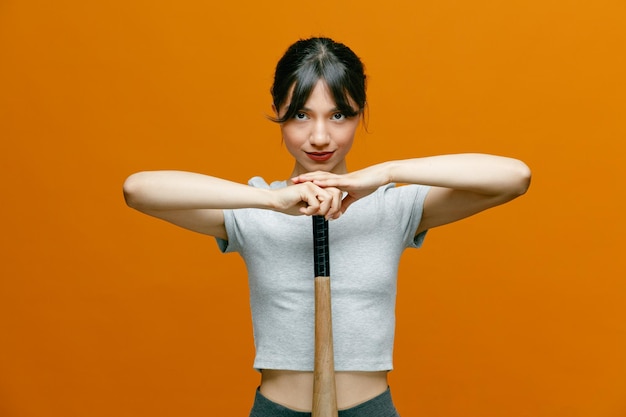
(309, 60)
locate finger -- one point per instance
(312, 176)
(335, 208)
(332, 181)
(312, 203)
(303, 178)
(347, 202)
(326, 201)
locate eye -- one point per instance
(338, 116)
(300, 116)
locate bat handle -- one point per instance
(320, 247)
(324, 388)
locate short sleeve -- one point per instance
(232, 244)
(418, 240)
(407, 203)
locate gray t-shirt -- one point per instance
(365, 247)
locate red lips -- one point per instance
(320, 156)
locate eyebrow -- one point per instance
(334, 109)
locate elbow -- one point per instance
(520, 180)
(525, 175)
(132, 190)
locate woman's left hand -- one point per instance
(357, 184)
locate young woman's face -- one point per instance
(319, 136)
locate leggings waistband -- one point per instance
(379, 406)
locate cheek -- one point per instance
(290, 137)
(347, 145)
(347, 136)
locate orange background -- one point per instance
(519, 311)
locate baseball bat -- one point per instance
(324, 388)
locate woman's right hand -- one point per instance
(308, 199)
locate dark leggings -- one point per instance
(380, 406)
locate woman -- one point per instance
(318, 100)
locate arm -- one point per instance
(463, 184)
(195, 201)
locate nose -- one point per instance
(320, 135)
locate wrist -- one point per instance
(272, 200)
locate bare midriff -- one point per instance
(294, 389)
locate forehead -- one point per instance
(319, 96)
